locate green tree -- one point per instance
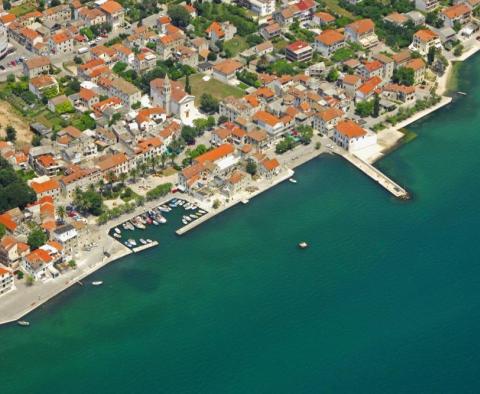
(364, 108)
(14, 191)
(163, 159)
(306, 134)
(2, 230)
(404, 76)
(332, 75)
(208, 103)
(431, 55)
(376, 106)
(61, 212)
(188, 88)
(179, 15)
(11, 133)
(29, 281)
(36, 140)
(36, 238)
(251, 167)
(188, 134)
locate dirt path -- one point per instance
(8, 116)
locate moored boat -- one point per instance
(184, 221)
(303, 245)
(149, 241)
(291, 180)
(117, 230)
(161, 219)
(116, 235)
(97, 283)
(132, 242)
(23, 323)
(142, 241)
(154, 222)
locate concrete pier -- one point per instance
(143, 247)
(376, 175)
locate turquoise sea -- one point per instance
(386, 299)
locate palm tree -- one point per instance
(134, 174)
(123, 177)
(61, 212)
(163, 159)
(173, 155)
(143, 168)
(111, 177)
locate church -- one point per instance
(172, 97)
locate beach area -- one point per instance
(16, 304)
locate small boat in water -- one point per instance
(142, 241)
(193, 216)
(97, 283)
(127, 244)
(291, 180)
(23, 323)
(187, 218)
(202, 212)
(149, 241)
(116, 235)
(184, 221)
(164, 209)
(117, 230)
(462, 93)
(161, 219)
(303, 245)
(154, 222)
(132, 242)
(245, 201)
(181, 202)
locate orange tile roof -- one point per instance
(426, 35)
(330, 37)
(111, 7)
(373, 65)
(416, 64)
(43, 187)
(325, 17)
(4, 271)
(351, 79)
(362, 26)
(87, 94)
(7, 18)
(148, 143)
(215, 154)
(456, 10)
(215, 27)
(330, 114)
(266, 117)
(112, 161)
(396, 18)
(46, 160)
(29, 33)
(60, 37)
(227, 66)
(370, 85)
(7, 220)
(350, 129)
(56, 245)
(39, 256)
(270, 164)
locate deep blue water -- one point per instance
(385, 300)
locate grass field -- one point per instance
(23, 9)
(217, 89)
(335, 7)
(236, 45)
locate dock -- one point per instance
(378, 176)
(143, 247)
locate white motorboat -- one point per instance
(97, 283)
(23, 323)
(202, 212)
(117, 230)
(303, 245)
(187, 218)
(161, 219)
(291, 180)
(132, 242)
(193, 216)
(149, 241)
(117, 235)
(163, 209)
(181, 202)
(154, 222)
(245, 201)
(184, 221)
(142, 241)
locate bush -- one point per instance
(159, 191)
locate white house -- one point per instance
(350, 136)
(6, 280)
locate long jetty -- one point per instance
(378, 176)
